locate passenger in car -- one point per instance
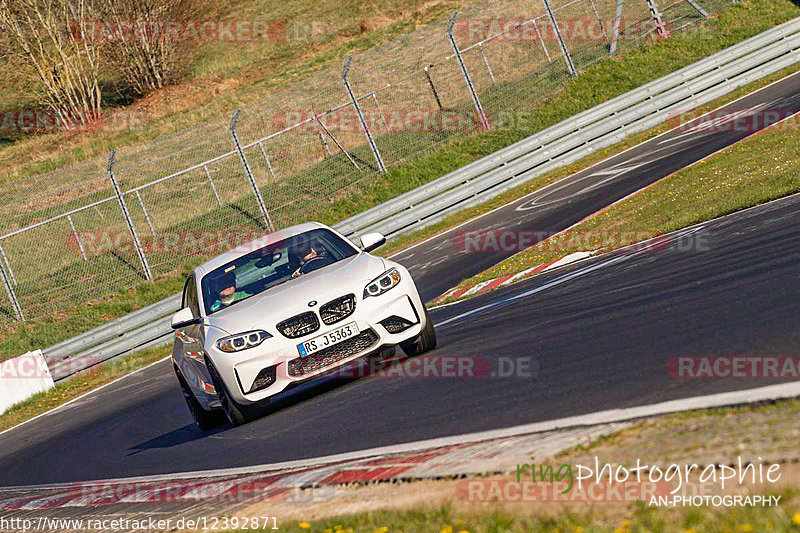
(226, 292)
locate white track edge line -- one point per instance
(724, 399)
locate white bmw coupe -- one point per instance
(286, 308)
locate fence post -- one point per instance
(612, 49)
(698, 8)
(475, 100)
(324, 128)
(77, 237)
(249, 172)
(10, 291)
(364, 126)
(599, 20)
(266, 160)
(541, 41)
(140, 252)
(433, 87)
(4, 257)
(562, 44)
(486, 62)
(213, 187)
(146, 214)
(661, 29)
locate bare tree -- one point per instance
(136, 44)
(39, 33)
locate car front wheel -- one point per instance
(235, 413)
(204, 418)
(423, 342)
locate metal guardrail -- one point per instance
(554, 147)
(588, 131)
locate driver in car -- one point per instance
(303, 253)
(226, 292)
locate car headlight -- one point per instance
(382, 283)
(242, 341)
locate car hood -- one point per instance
(292, 297)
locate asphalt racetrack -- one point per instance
(594, 336)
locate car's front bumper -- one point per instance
(240, 371)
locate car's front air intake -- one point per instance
(396, 324)
(338, 309)
(330, 356)
(299, 325)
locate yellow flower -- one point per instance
(337, 527)
(746, 528)
(382, 529)
(690, 530)
(304, 525)
(625, 524)
(463, 531)
(447, 529)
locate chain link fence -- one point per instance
(86, 231)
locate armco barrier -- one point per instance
(554, 147)
(584, 133)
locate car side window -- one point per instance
(190, 297)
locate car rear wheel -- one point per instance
(204, 418)
(235, 413)
(423, 342)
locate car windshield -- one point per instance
(272, 265)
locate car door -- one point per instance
(188, 350)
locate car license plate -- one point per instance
(328, 339)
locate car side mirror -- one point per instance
(184, 318)
(370, 241)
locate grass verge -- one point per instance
(703, 437)
(721, 184)
(86, 381)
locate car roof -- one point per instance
(255, 244)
